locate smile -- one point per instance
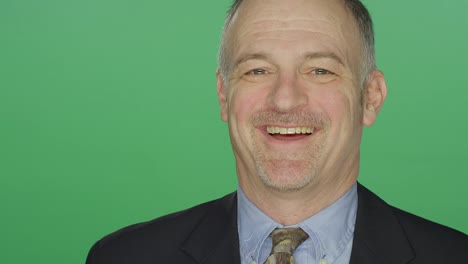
(274, 130)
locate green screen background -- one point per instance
(109, 116)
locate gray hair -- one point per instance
(357, 9)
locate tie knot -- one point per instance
(285, 242)
(287, 239)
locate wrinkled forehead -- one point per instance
(274, 14)
(291, 8)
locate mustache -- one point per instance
(303, 118)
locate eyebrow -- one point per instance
(307, 56)
(252, 56)
(323, 55)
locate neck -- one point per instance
(290, 208)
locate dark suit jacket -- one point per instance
(207, 234)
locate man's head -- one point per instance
(296, 88)
(355, 7)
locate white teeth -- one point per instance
(290, 130)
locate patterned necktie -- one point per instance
(285, 241)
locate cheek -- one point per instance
(244, 102)
(342, 108)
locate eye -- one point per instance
(257, 72)
(321, 75)
(320, 71)
(258, 75)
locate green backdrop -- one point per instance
(109, 116)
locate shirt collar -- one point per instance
(329, 230)
(254, 226)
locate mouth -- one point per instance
(289, 133)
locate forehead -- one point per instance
(271, 23)
(252, 9)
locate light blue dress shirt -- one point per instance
(330, 232)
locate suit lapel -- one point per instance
(215, 239)
(378, 236)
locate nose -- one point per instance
(287, 94)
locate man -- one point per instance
(296, 83)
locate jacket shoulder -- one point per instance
(148, 241)
(432, 239)
(386, 234)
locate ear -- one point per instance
(374, 94)
(222, 99)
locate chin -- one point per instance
(286, 176)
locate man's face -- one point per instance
(293, 99)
